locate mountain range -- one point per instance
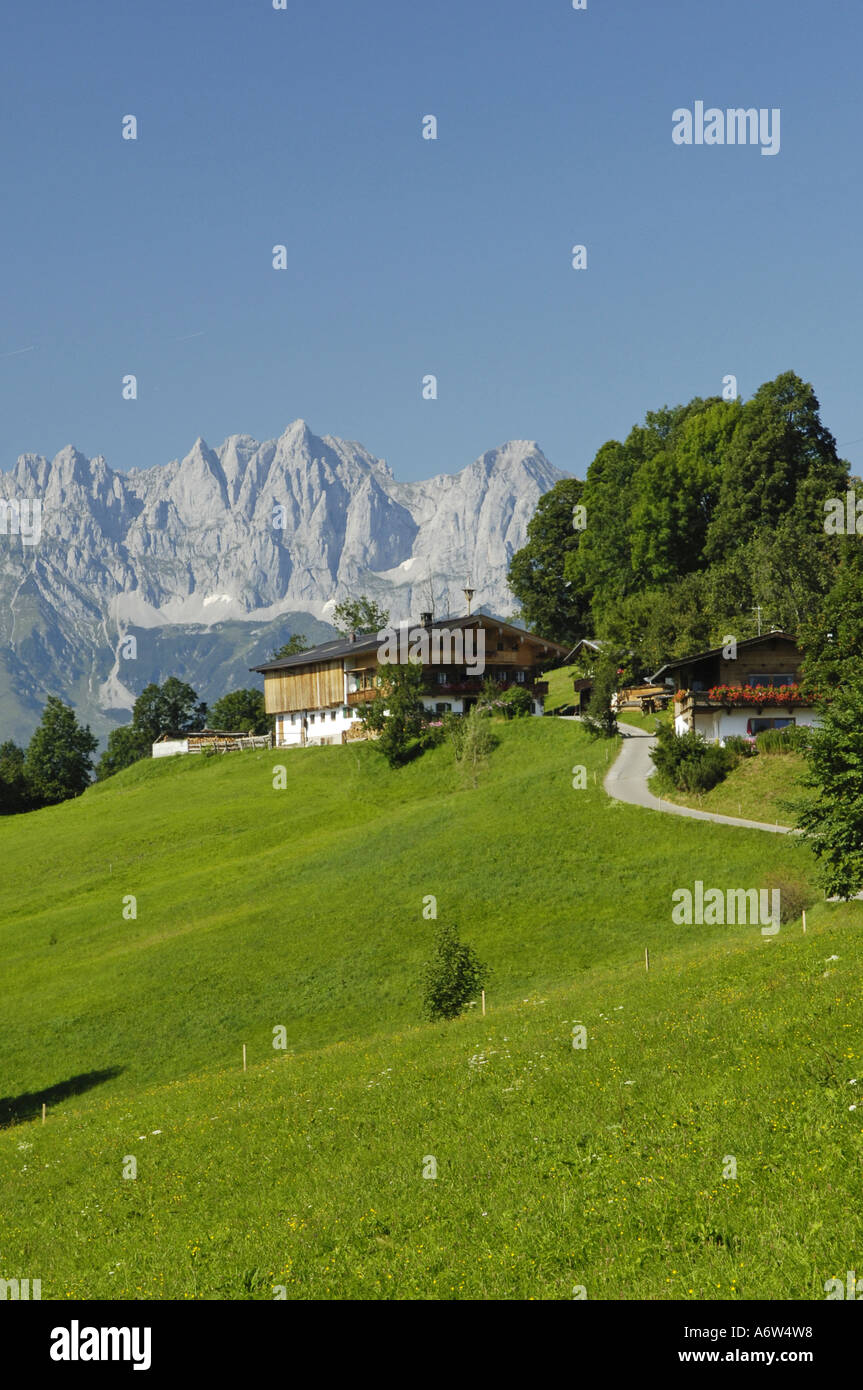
(213, 560)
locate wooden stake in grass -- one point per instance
(483, 1003)
(43, 1112)
(804, 919)
(244, 1056)
(646, 959)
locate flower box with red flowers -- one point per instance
(760, 695)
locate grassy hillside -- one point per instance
(303, 908)
(560, 691)
(646, 721)
(759, 788)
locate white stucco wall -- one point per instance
(290, 735)
(715, 724)
(169, 747)
(430, 701)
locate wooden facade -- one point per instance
(317, 686)
(758, 661)
(773, 657)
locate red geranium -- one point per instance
(759, 695)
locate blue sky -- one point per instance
(408, 256)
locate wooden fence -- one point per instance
(231, 745)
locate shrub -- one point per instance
(740, 746)
(516, 702)
(703, 771)
(432, 734)
(453, 976)
(491, 694)
(452, 726)
(792, 739)
(687, 763)
(471, 738)
(794, 895)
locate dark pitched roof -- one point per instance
(327, 651)
(716, 651)
(369, 642)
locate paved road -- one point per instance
(626, 780)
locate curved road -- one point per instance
(627, 777)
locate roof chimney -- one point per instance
(353, 637)
(426, 619)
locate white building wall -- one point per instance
(289, 733)
(715, 724)
(169, 747)
(429, 703)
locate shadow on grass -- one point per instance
(14, 1110)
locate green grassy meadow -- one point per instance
(302, 908)
(760, 788)
(560, 691)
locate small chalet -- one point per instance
(759, 688)
(316, 695)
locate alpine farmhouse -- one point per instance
(758, 688)
(316, 695)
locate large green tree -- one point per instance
(15, 795)
(359, 615)
(674, 493)
(59, 759)
(781, 462)
(538, 575)
(126, 745)
(832, 638)
(170, 708)
(241, 711)
(705, 522)
(832, 822)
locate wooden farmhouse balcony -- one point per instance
(472, 685)
(755, 698)
(360, 697)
